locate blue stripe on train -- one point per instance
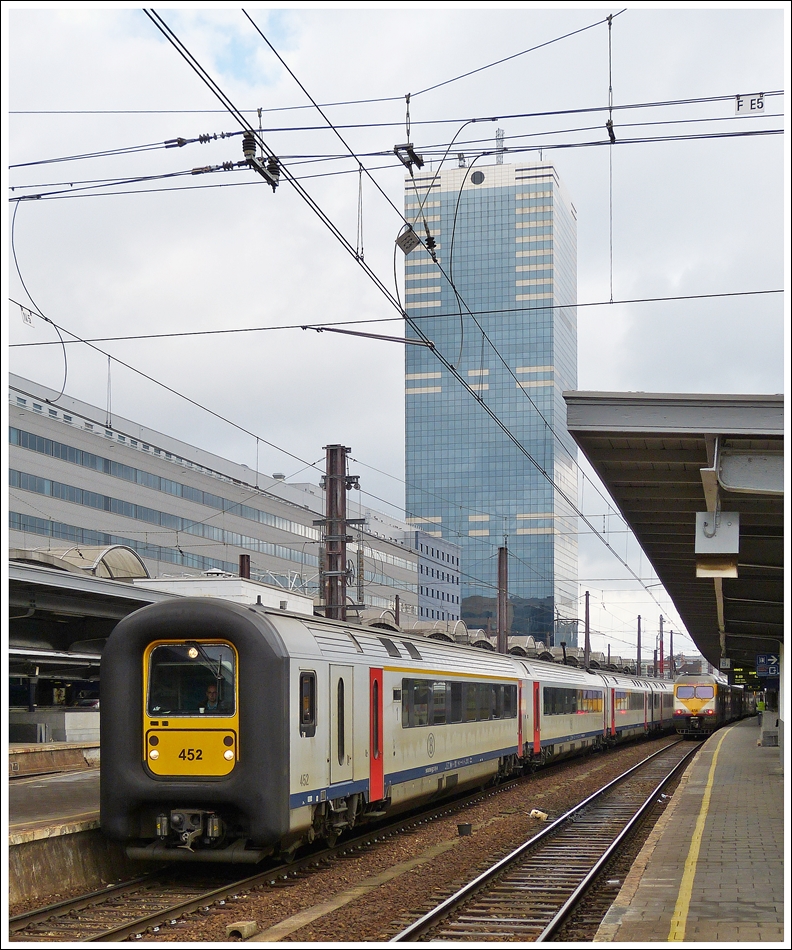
(342, 789)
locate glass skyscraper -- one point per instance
(505, 244)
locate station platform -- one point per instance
(40, 758)
(54, 841)
(712, 869)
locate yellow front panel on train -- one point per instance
(190, 751)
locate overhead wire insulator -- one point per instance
(273, 168)
(175, 143)
(249, 146)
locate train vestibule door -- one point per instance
(376, 755)
(341, 723)
(537, 735)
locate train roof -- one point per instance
(685, 678)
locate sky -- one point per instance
(686, 217)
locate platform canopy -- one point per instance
(116, 561)
(666, 457)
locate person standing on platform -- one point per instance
(760, 708)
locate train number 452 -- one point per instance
(191, 754)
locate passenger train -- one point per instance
(703, 703)
(232, 732)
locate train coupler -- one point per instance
(189, 826)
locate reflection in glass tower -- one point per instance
(505, 246)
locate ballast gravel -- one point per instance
(499, 824)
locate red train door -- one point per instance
(613, 711)
(376, 775)
(646, 721)
(537, 743)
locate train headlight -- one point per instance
(228, 754)
(192, 653)
(154, 754)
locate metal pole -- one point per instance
(662, 662)
(671, 653)
(335, 491)
(587, 641)
(244, 566)
(503, 600)
(396, 611)
(638, 651)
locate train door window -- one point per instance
(375, 704)
(192, 679)
(439, 698)
(308, 704)
(456, 707)
(340, 721)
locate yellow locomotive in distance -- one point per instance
(702, 703)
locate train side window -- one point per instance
(415, 702)
(455, 710)
(308, 704)
(471, 702)
(439, 699)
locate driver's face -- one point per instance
(211, 692)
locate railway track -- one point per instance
(530, 894)
(157, 901)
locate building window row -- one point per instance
(89, 499)
(440, 575)
(439, 554)
(439, 595)
(68, 453)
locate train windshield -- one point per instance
(192, 679)
(700, 692)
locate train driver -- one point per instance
(212, 702)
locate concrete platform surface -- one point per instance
(42, 757)
(712, 870)
(50, 805)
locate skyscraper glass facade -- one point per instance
(505, 239)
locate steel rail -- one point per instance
(580, 891)
(447, 906)
(219, 895)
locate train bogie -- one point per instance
(322, 726)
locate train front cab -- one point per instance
(179, 783)
(698, 706)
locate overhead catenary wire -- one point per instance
(495, 418)
(420, 334)
(369, 320)
(433, 149)
(77, 193)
